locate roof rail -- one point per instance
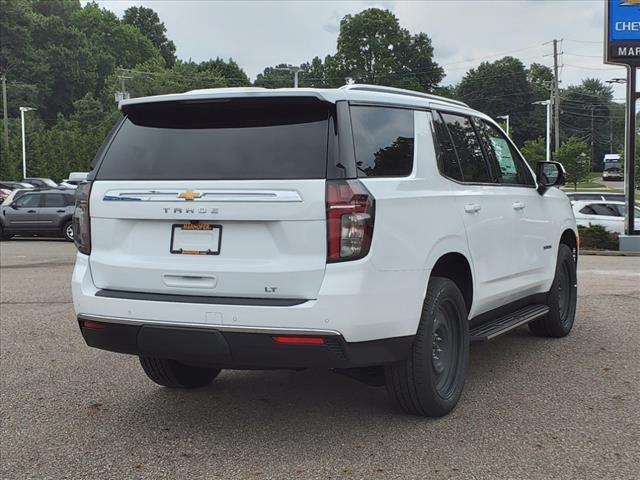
(401, 91)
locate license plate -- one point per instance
(196, 239)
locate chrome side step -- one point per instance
(493, 328)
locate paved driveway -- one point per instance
(532, 408)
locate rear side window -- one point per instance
(226, 140)
(56, 200)
(383, 139)
(447, 156)
(467, 145)
(605, 210)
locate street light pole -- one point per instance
(24, 142)
(548, 104)
(292, 68)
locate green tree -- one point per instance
(534, 151)
(275, 77)
(147, 21)
(373, 48)
(505, 87)
(573, 154)
(233, 75)
(589, 113)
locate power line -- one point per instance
(582, 41)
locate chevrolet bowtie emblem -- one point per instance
(189, 195)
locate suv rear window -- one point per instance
(221, 140)
(383, 139)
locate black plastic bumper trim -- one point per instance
(236, 350)
(205, 299)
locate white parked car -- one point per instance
(366, 229)
(608, 214)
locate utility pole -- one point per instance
(556, 98)
(592, 138)
(6, 119)
(122, 94)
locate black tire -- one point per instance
(429, 383)
(561, 299)
(67, 231)
(173, 374)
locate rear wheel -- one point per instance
(561, 299)
(173, 374)
(429, 383)
(67, 231)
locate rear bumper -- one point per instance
(356, 302)
(226, 348)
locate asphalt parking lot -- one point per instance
(532, 408)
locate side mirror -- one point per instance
(14, 206)
(550, 174)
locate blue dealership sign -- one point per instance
(622, 39)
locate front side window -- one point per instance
(383, 139)
(623, 211)
(28, 200)
(467, 145)
(509, 166)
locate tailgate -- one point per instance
(271, 238)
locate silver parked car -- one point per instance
(45, 213)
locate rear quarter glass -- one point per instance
(231, 140)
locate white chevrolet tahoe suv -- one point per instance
(368, 230)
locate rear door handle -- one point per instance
(472, 207)
(31, 211)
(518, 206)
(60, 211)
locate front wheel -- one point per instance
(561, 299)
(429, 383)
(173, 374)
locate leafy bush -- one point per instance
(596, 237)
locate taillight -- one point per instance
(82, 219)
(350, 216)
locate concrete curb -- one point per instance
(609, 253)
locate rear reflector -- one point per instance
(90, 324)
(299, 340)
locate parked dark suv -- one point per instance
(44, 213)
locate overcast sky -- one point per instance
(464, 33)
